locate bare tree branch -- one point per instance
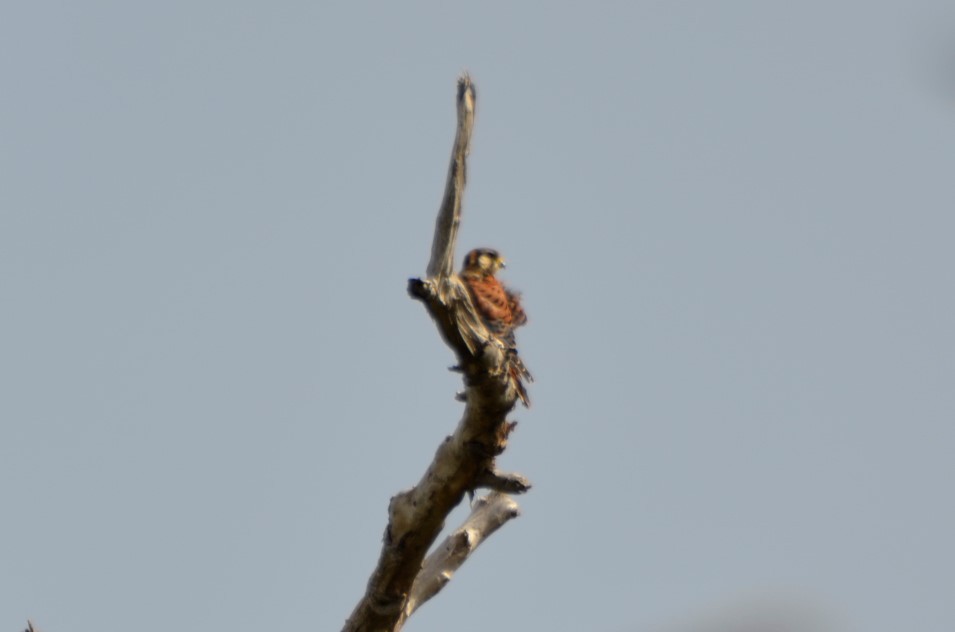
(506, 482)
(487, 516)
(464, 460)
(449, 216)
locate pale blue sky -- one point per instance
(732, 223)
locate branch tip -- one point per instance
(505, 482)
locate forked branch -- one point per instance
(489, 514)
(464, 461)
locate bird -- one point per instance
(499, 307)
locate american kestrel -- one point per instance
(499, 307)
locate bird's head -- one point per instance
(483, 261)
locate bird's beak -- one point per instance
(503, 263)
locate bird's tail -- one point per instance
(520, 375)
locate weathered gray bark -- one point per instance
(464, 461)
(449, 216)
(488, 514)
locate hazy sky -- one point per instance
(732, 223)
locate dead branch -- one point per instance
(506, 482)
(449, 215)
(464, 460)
(487, 516)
